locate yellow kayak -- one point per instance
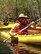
(8, 26)
(24, 38)
(30, 39)
(13, 24)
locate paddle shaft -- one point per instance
(29, 25)
(21, 30)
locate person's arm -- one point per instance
(13, 29)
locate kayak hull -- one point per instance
(29, 39)
(24, 38)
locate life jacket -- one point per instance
(21, 27)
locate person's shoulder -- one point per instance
(15, 25)
(17, 21)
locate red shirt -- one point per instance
(21, 27)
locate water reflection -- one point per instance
(22, 48)
(27, 49)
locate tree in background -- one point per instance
(12, 8)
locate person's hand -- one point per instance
(12, 34)
(33, 22)
(19, 32)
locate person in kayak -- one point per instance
(21, 23)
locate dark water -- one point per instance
(22, 48)
(28, 48)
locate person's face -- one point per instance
(22, 20)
